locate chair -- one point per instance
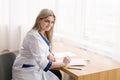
(6, 63)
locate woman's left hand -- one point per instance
(51, 57)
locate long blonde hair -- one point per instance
(44, 14)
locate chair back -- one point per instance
(6, 63)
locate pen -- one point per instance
(74, 68)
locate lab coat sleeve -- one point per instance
(39, 54)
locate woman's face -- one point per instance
(47, 23)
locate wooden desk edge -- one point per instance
(104, 75)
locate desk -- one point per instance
(98, 68)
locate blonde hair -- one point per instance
(44, 13)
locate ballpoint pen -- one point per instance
(74, 68)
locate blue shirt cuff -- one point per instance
(48, 66)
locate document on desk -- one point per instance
(77, 62)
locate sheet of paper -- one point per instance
(77, 62)
(63, 54)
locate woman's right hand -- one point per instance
(66, 60)
(51, 57)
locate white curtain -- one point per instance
(3, 24)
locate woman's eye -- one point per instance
(52, 22)
(47, 21)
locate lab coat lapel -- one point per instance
(36, 34)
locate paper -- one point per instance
(63, 54)
(77, 62)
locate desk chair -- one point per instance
(6, 63)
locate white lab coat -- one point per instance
(34, 51)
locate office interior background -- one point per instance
(89, 24)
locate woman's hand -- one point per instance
(51, 57)
(66, 60)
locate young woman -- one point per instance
(36, 60)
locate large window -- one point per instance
(92, 24)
